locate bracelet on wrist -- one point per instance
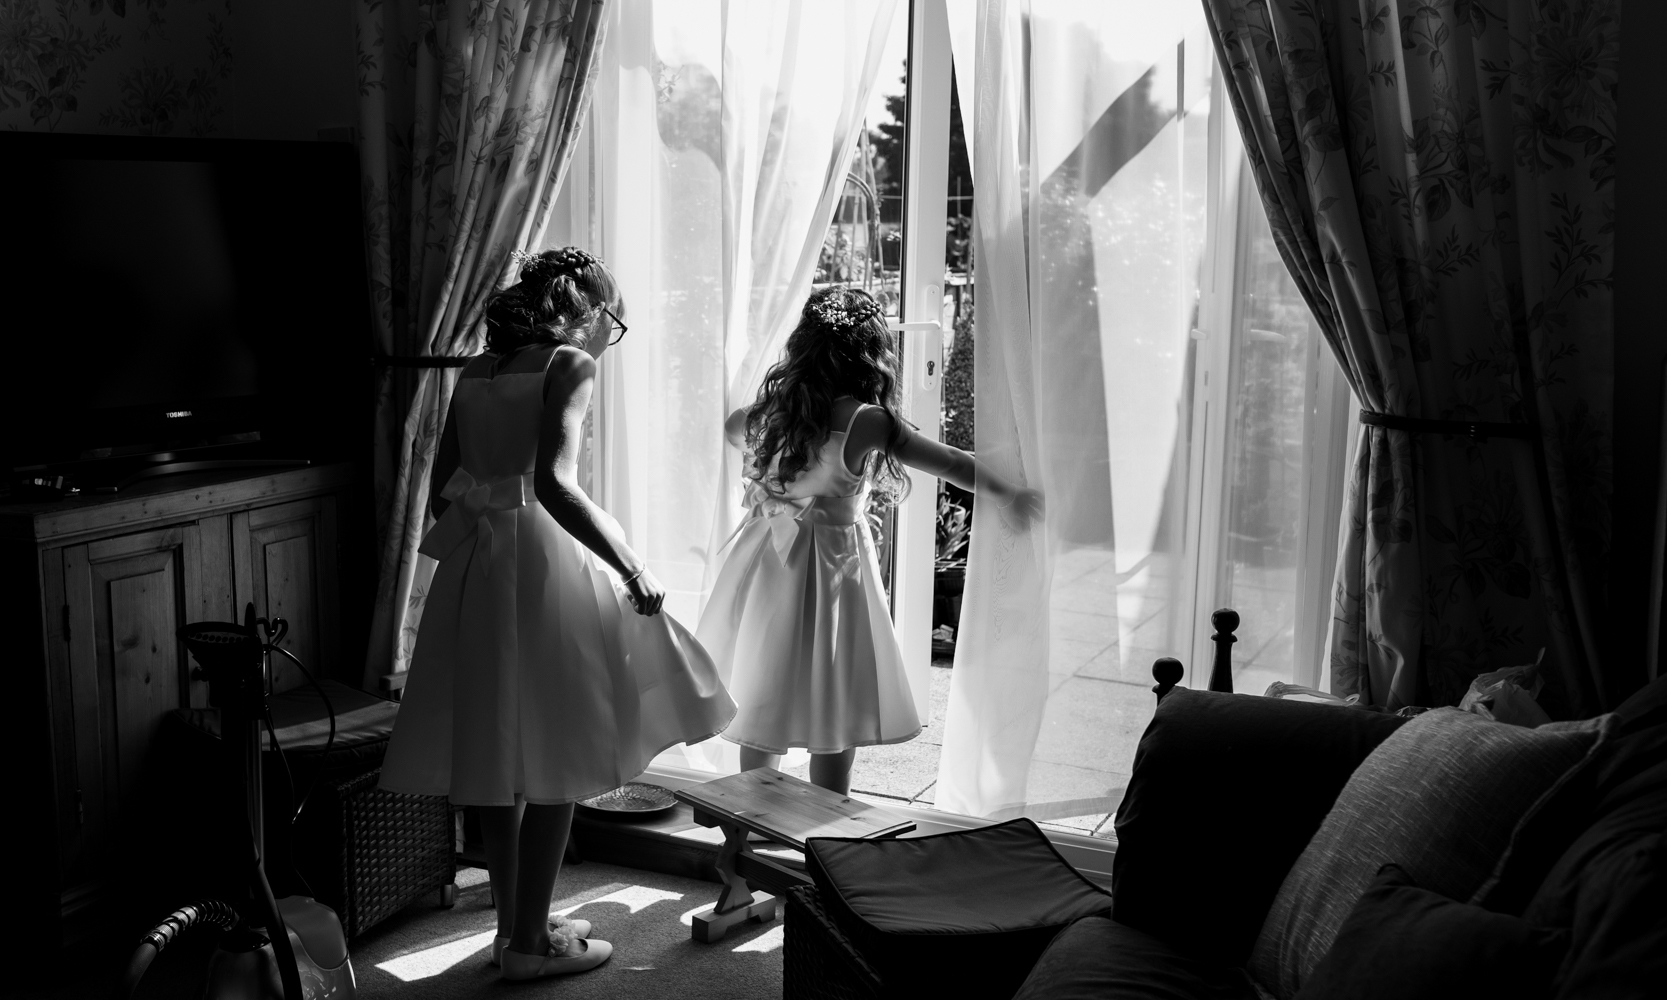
(640, 571)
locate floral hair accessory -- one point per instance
(839, 315)
(551, 264)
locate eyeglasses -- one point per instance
(623, 329)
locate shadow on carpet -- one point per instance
(426, 953)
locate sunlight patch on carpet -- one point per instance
(770, 940)
(637, 897)
(433, 961)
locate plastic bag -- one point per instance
(1508, 695)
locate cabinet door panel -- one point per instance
(286, 565)
(127, 596)
(139, 617)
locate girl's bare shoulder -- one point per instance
(569, 361)
(569, 369)
(869, 421)
(871, 430)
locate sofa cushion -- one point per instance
(988, 899)
(1609, 887)
(1439, 798)
(1615, 777)
(1097, 958)
(1212, 770)
(1401, 942)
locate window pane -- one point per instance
(1275, 352)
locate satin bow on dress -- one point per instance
(783, 516)
(473, 504)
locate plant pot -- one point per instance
(948, 583)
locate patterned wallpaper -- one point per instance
(134, 67)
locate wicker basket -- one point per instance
(394, 848)
(818, 960)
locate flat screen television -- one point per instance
(170, 295)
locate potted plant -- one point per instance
(949, 570)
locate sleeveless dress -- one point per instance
(798, 622)
(532, 673)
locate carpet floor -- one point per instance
(426, 953)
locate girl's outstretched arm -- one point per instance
(567, 388)
(872, 430)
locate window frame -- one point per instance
(920, 325)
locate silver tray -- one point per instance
(636, 798)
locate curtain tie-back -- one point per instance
(472, 503)
(1476, 430)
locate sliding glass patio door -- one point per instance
(1194, 426)
(1166, 388)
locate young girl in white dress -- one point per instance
(798, 622)
(539, 677)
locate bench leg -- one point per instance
(736, 901)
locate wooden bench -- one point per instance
(786, 811)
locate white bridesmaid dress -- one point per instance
(532, 674)
(798, 622)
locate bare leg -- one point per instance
(753, 759)
(543, 843)
(500, 827)
(833, 770)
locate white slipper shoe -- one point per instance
(578, 928)
(582, 955)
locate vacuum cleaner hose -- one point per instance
(206, 911)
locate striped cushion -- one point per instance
(1439, 798)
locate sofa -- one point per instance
(1270, 848)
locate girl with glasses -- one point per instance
(544, 672)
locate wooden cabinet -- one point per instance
(98, 588)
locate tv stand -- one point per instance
(96, 588)
(208, 465)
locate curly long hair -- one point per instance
(841, 347)
(557, 301)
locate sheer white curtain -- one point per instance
(1088, 226)
(1000, 682)
(723, 131)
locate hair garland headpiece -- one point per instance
(552, 263)
(841, 315)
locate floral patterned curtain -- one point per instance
(1439, 175)
(468, 117)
